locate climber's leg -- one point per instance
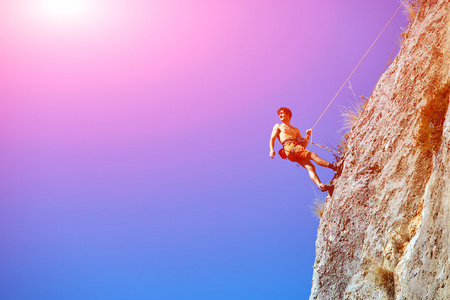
(306, 163)
(321, 162)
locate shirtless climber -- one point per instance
(294, 147)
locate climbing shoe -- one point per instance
(333, 167)
(325, 188)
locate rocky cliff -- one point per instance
(385, 231)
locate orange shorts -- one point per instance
(295, 152)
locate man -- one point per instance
(294, 147)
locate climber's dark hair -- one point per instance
(286, 111)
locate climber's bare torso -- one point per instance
(284, 132)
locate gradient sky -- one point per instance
(135, 142)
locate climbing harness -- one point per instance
(298, 141)
(302, 142)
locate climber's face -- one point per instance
(283, 116)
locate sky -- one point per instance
(135, 142)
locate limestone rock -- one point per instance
(385, 231)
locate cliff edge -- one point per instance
(384, 233)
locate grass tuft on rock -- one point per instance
(318, 207)
(384, 278)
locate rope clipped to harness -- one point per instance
(348, 78)
(364, 56)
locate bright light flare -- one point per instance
(57, 14)
(67, 17)
(64, 10)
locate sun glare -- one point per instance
(64, 11)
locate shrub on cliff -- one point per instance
(411, 9)
(350, 114)
(432, 117)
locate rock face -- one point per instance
(385, 231)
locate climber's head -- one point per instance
(284, 111)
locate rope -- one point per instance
(387, 62)
(389, 59)
(326, 148)
(348, 78)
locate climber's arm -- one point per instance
(274, 135)
(308, 135)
